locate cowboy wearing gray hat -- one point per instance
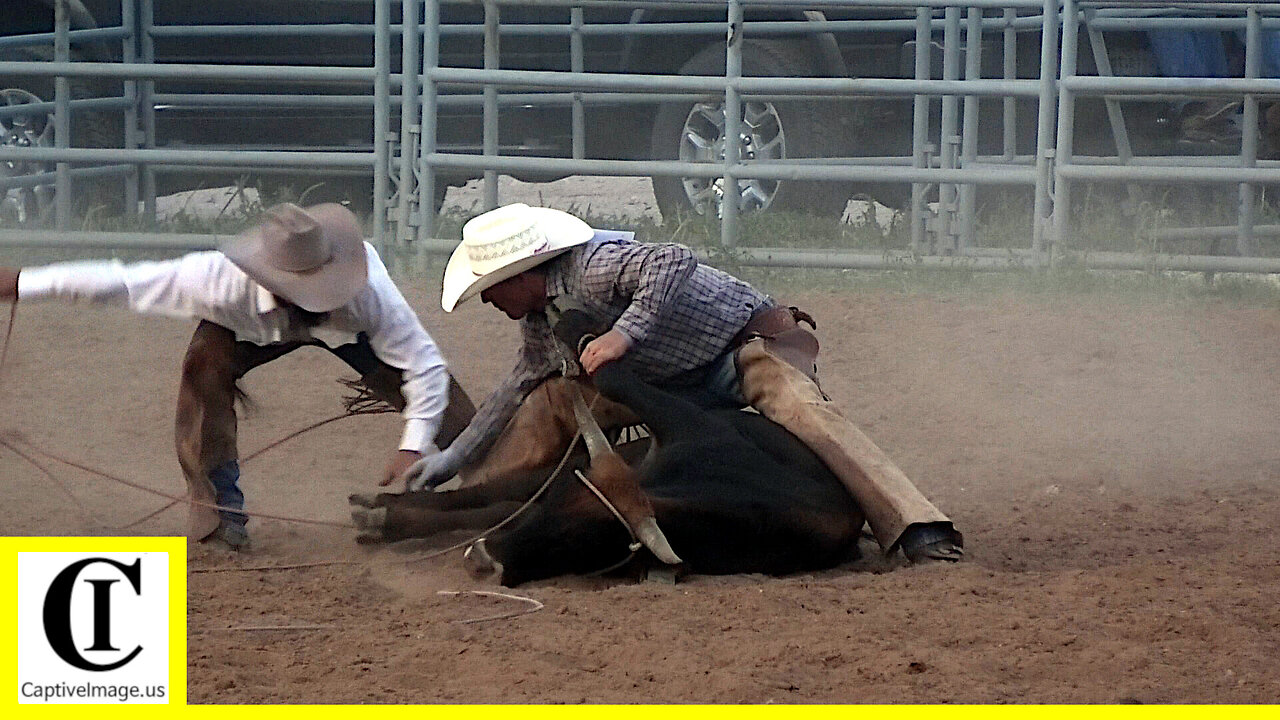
(304, 277)
(680, 324)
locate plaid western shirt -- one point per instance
(679, 315)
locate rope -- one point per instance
(8, 331)
(358, 405)
(84, 511)
(536, 605)
(355, 407)
(634, 546)
(424, 556)
(167, 496)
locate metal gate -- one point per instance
(945, 163)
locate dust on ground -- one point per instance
(1112, 462)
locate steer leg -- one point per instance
(399, 520)
(386, 517)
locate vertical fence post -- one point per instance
(969, 131)
(1045, 125)
(1066, 123)
(577, 65)
(146, 21)
(1009, 122)
(491, 62)
(407, 192)
(381, 119)
(62, 115)
(920, 129)
(730, 199)
(1249, 140)
(129, 54)
(950, 140)
(427, 139)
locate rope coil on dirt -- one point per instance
(535, 605)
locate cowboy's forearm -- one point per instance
(426, 395)
(490, 419)
(399, 340)
(91, 281)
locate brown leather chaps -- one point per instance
(205, 428)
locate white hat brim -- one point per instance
(563, 232)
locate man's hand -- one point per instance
(430, 471)
(9, 284)
(604, 349)
(400, 462)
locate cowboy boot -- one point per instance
(897, 512)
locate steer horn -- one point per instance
(592, 435)
(651, 535)
(646, 529)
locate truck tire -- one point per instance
(33, 206)
(694, 132)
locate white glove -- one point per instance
(431, 471)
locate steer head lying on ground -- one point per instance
(731, 491)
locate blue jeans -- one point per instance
(723, 382)
(225, 479)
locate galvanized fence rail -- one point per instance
(944, 160)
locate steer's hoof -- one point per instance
(370, 522)
(369, 500)
(478, 562)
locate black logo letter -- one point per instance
(57, 613)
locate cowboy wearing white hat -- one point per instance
(678, 323)
(503, 243)
(302, 277)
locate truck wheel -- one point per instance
(33, 206)
(694, 132)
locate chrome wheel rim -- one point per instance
(24, 205)
(703, 140)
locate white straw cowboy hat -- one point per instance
(313, 258)
(505, 242)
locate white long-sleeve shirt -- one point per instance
(208, 286)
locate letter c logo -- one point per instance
(57, 613)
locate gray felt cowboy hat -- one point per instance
(505, 242)
(313, 258)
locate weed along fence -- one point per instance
(939, 107)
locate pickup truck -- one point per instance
(660, 130)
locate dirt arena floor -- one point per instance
(1112, 462)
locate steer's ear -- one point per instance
(576, 326)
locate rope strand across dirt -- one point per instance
(362, 403)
